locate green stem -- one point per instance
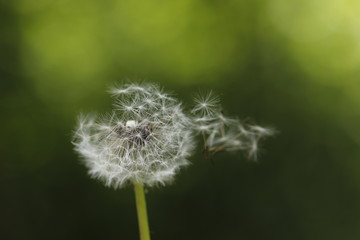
(141, 211)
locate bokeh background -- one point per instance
(293, 65)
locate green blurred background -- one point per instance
(293, 65)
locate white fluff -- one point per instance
(147, 138)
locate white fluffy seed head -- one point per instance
(221, 133)
(146, 139)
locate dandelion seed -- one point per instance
(221, 133)
(206, 104)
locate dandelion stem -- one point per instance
(141, 211)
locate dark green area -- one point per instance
(276, 63)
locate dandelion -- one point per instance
(221, 133)
(145, 140)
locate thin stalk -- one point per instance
(141, 211)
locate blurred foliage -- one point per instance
(293, 65)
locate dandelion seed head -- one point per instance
(146, 139)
